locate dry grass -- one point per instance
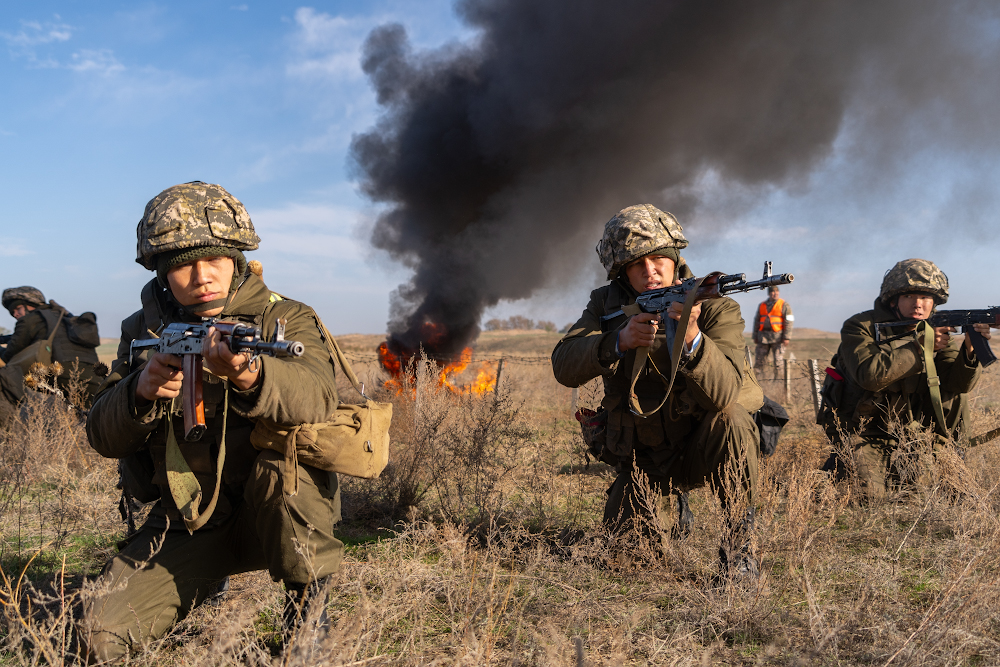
(482, 545)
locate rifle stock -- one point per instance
(192, 397)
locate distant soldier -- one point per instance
(772, 332)
(704, 426)
(46, 333)
(908, 385)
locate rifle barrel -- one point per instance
(771, 281)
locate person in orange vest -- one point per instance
(772, 331)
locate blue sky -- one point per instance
(105, 104)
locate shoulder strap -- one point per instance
(338, 355)
(933, 381)
(150, 308)
(45, 352)
(642, 355)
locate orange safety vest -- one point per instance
(777, 321)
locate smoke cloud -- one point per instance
(498, 161)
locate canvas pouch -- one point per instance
(354, 439)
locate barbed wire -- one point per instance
(517, 359)
(798, 369)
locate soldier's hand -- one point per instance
(222, 362)
(676, 310)
(942, 336)
(160, 378)
(983, 329)
(639, 332)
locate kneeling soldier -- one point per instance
(702, 427)
(193, 236)
(883, 390)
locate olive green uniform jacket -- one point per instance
(893, 379)
(256, 524)
(34, 327)
(700, 427)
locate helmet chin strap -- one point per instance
(199, 308)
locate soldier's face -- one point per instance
(915, 306)
(201, 281)
(650, 272)
(21, 310)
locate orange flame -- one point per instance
(485, 382)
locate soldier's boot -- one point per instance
(219, 594)
(305, 605)
(737, 560)
(685, 517)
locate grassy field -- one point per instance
(482, 544)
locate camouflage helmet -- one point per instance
(15, 296)
(914, 276)
(193, 215)
(636, 231)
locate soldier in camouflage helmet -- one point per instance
(702, 426)
(73, 344)
(883, 390)
(20, 300)
(194, 235)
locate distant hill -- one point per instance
(804, 333)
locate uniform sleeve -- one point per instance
(755, 325)
(714, 372)
(28, 329)
(585, 353)
(957, 369)
(115, 427)
(296, 390)
(874, 367)
(788, 322)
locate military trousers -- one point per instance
(159, 577)
(722, 450)
(769, 355)
(882, 467)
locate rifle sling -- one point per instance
(642, 356)
(45, 353)
(983, 438)
(184, 486)
(933, 381)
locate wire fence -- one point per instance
(792, 380)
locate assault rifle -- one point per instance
(952, 318)
(186, 341)
(713, 286)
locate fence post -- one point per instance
(814, 383)
(496, 386)
(788, 379)
(576, 399)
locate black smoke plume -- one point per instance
(498, 160)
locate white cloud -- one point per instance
(33, 34)
(13, 248)
(100, 61)
(328, 46)
(310, 230)
(239, 8)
